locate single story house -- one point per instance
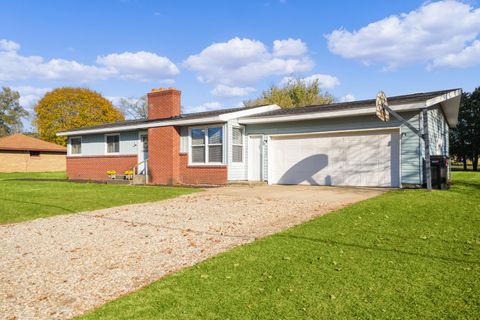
(21, 153)
(342, 144)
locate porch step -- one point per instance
(118, 181)
(139, 179)
(247, 183)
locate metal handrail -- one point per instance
(135, 169)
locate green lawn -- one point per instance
(27, 196)
(404, 255)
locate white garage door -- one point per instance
(368, 158)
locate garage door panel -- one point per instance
(359, 159)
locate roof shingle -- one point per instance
(21, 142)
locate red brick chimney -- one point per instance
(163, 103)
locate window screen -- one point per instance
(198, 145)
(113, 144)
(76, 145)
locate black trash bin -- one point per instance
(440, 172)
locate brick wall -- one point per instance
(21, 161)
(163, 160)
(201, 174)
(95, 168)
(163, 103)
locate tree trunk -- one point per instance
(464, 159)
(475, 162)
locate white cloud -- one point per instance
(242, 62)
(222, 90)
(431, 32)
(139, 66)
(325, 81)
(7, 45)
(30, 95)
(208, 106)
(468, 57)
(347, 98)
(289, 47)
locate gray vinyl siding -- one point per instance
(94, 144)
(438, 136)
(438, 131)
(410, 147)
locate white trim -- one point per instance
(444, 97)
(205, 145)
(69, 149)
(106, 143)
(398, 129)
(248, 112)
(327, 114)
(177, 122)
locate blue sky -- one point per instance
(220, 53)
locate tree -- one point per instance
(465, 138)
(295, 93)
(135, 108)
(67, 108)
(11, 112)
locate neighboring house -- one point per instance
(335, 144)
(21, 153)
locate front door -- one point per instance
(255, 158)
(142, 151)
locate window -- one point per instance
(34, 154)
(207, 145)
(237, 145)
(113, 143)
(76, 145)
(215, 146)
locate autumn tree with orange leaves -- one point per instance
(68, 108)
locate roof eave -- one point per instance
(450, 103)
(222, 118)
(327, 114)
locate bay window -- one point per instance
(206, 145)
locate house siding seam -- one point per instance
(95, 168)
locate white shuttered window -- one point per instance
(237, 145)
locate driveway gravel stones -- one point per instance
(63, 266)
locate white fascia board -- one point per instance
(248, 112)
(147, 125)
(450, 103)
(328, 114)
(444, 97)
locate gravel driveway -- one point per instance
(60, 267)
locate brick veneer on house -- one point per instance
(163, 103)
(201, 174)
(95, 168)
(166, 165)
